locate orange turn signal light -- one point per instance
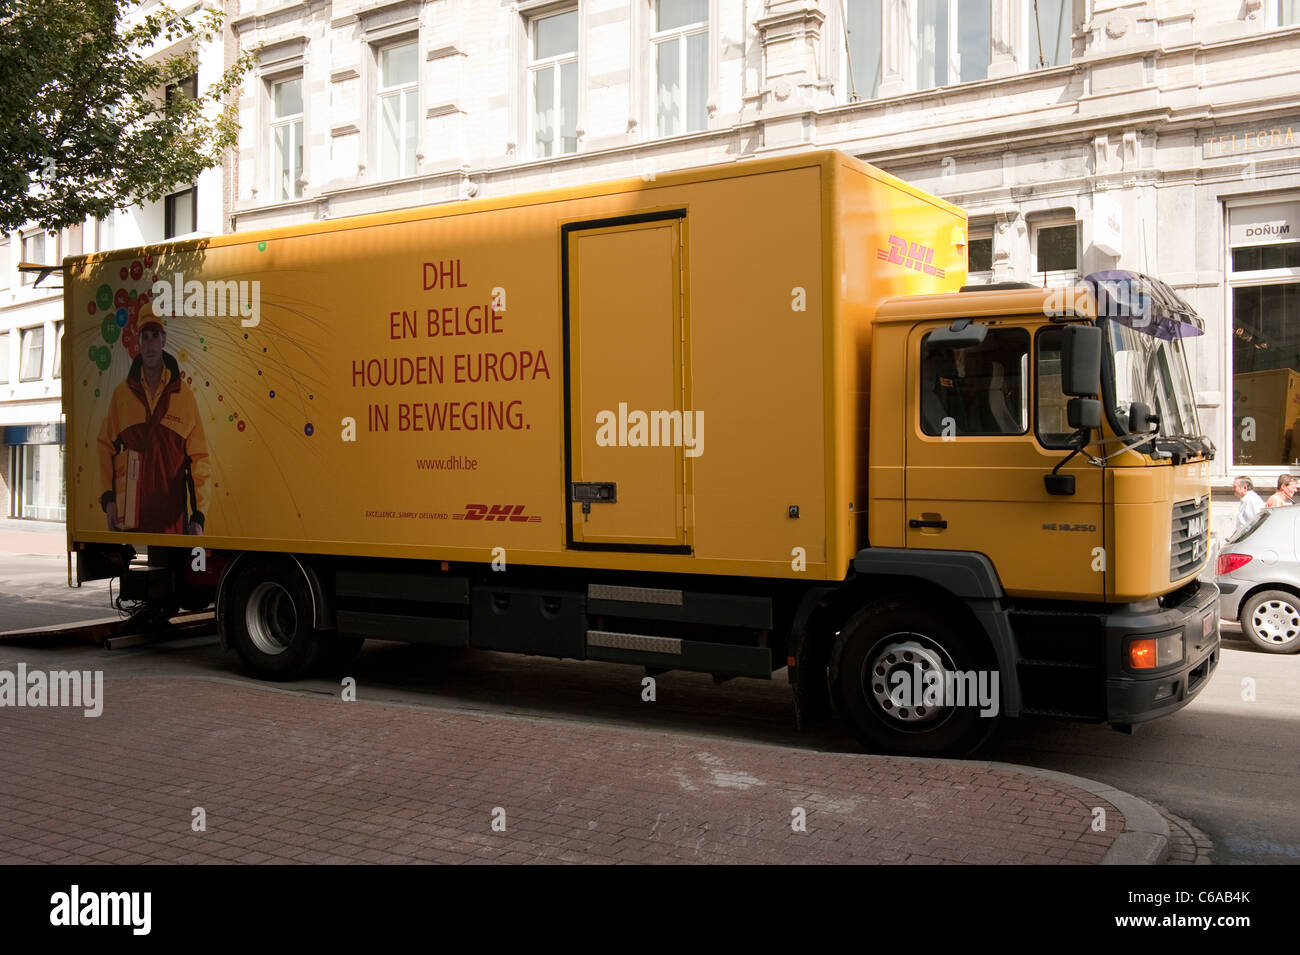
(1142, 654)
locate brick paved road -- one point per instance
(287, 776)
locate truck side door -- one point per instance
(985, 424)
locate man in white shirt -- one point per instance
(1251, 503)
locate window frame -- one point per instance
(1055, 277)
(28, 279)
(680, 34)
(169, 213)
(952, 49)
(845, 94)
(555, 62)
(295, 122)
(974, 233)
(1027, 377)
(401, 91)
(1030, 37)
(1039, 434)
(22, 353)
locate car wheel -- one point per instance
(1271, 621)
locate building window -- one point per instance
(4, 357)
(74, 239)
(32, 354)
(862, 65)
(1288, 12)
(34, 253)
(952, 42)
(553, 83)
(980, 254)
(1050, 24)
(681, 55)
(187, 88)
(58, 350)
(399, 95)
(5, 263)
(104, 230)
(286, 138)
(180, 213)
(1056, 250)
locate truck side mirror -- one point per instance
(1083, 413)
(1081, 361)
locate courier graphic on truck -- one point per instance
(733, 420)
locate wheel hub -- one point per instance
(905, 677)
(271, 618)
(1276, 621)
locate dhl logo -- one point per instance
(495, 512)
(913, 256)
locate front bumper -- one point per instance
(1135, 697)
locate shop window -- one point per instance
(681, 58)
(1264, 277)
(41, 490)
(32, 353)
(553, 83)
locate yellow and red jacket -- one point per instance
(164, 429)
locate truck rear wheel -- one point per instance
(269, 620)
(894, 676)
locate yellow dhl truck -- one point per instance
(726, 420)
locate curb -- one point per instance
(1145, 839)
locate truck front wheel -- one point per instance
(912, 682)
(269, 620)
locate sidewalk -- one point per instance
(286, 776)
(45, 538)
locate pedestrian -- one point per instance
(1251, 503)
(1286, 488)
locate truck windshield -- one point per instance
(1145, 324)
(1153, 371)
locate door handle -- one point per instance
(942, 525)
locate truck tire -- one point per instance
(887, 638)
(1271, 621)
(269, 620)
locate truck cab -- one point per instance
(1037, 453)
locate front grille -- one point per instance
(1189, 537)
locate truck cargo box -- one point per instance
(665, 375)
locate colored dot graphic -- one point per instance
(261, 247)
(309, 429)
